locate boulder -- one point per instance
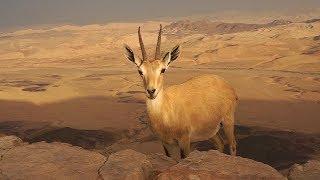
(216, 165)
(126, 164)
(50, 161)
(307, 171)
(8, 142)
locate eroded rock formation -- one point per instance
(19, 160)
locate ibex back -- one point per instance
(188, 112)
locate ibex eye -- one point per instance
(140, 72)
(163, 70)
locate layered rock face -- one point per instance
(19, 160)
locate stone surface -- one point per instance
(126, 164)
(216, 165)
(50, 161)
(8, 142)
(42, 160)
(160, 163)
(307, 171)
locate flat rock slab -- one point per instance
(126, 164)
(50, 161)
(216, 165)
(160, 163)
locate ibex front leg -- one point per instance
(184, 145)
(168, 149)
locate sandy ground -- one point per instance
(73, 84)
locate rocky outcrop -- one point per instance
(160, 163)
(307, 171)
(129, 164)
(47, 161)
(9, 142)
(215, 165)
(19, 160)
(43, 160)
(126, 164)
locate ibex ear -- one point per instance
(171, 56)
(167, 58)
(130, 55)
(175, 52)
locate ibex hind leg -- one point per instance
(228, 129)
(218, 142)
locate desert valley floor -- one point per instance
(73, 84)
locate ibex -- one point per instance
(188, 112)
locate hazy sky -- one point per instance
(15, 13)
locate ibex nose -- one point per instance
(151, 91)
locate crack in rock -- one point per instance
(99, 176)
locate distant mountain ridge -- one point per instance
(312, 20)
(210, 27)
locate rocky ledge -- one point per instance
(19, 160)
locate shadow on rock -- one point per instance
(279, 149)
(37, 131)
